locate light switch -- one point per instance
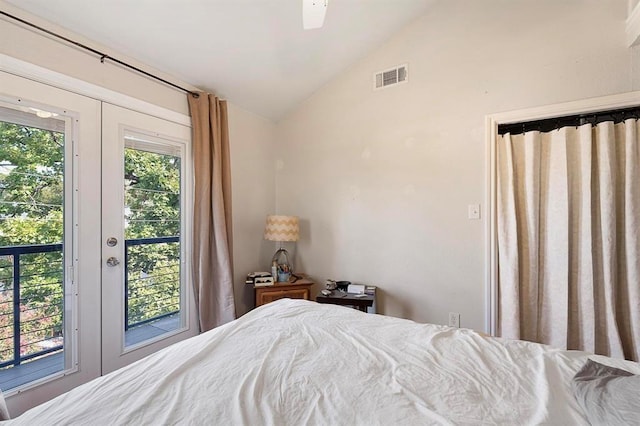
(474, 211)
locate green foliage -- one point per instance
(31, 179)
(152, 197)
(31, 211)
(152, 194)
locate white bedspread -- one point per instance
(295, 362)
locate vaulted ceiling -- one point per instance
(252, 52)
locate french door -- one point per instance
(49, 248)
(146, 303)
(93, 239)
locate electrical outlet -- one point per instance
(454, 319)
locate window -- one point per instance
(34, 259)
(152, 176)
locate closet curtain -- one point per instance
(568, 220)
(212, 267)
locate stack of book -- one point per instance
(370, 290)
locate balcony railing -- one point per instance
(151, 279)
(32, 290)
(31, 302)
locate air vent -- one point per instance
(390, 77)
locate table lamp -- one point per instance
(281, 229)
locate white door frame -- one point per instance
(117, 123)
(83, 291)
(492, 121)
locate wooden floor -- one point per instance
(13, 377)
(33, 370)
(150, 330)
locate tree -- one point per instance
(153, 201)
(31, 212)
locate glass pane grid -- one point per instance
(153, 281)
(152, 233)
(31, 249)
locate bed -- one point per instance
(295, 362)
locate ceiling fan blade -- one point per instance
(313, 12)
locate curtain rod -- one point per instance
(549, 124)
(103, 56)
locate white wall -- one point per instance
(252, 141)
(382, 179)
(251, 136)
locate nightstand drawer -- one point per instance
(270, 296)
(299, 290)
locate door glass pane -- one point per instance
(152, 233)
(32, 272)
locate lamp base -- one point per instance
(284, 269)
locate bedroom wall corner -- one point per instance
(384, 178)
(252, 140)
(251, 136)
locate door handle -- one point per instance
(112, 261)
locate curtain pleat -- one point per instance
(553, 245)
(212, 227)
(581, 307)
(568, 209)
(607, 339)
(509, 271)
(629, 307)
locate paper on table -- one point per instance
(355, 289)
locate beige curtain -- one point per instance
(569, 238)
(212, 232)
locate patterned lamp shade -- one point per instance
(282, 228)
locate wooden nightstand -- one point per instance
(301, 289)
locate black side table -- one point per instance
(346, 299)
